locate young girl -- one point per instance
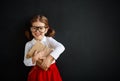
(41, 32)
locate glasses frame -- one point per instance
(39, 28)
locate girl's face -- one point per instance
(38, 30)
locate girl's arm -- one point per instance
(28, 62)
(57, 46)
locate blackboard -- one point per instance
(89, 30)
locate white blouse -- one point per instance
(58, 48)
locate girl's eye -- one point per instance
(40, 27)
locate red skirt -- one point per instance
(37, 74)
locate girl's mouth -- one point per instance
(38, 34)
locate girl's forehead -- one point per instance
(38, 24)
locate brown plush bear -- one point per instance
(39, 47)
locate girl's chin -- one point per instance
(38, 38)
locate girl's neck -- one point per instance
(39, 39)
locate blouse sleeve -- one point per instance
(57, 46)
(27, 61)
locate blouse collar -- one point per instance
(33, 41)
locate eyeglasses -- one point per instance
(39, 28)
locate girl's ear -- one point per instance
(30, 29)
(46, 30)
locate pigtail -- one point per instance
(28, 34)
(50, 32)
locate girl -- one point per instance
(41, 32)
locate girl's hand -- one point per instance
(37, 55)
(47, 62)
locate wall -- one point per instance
(89, 29)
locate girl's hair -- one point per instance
(43, 19)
